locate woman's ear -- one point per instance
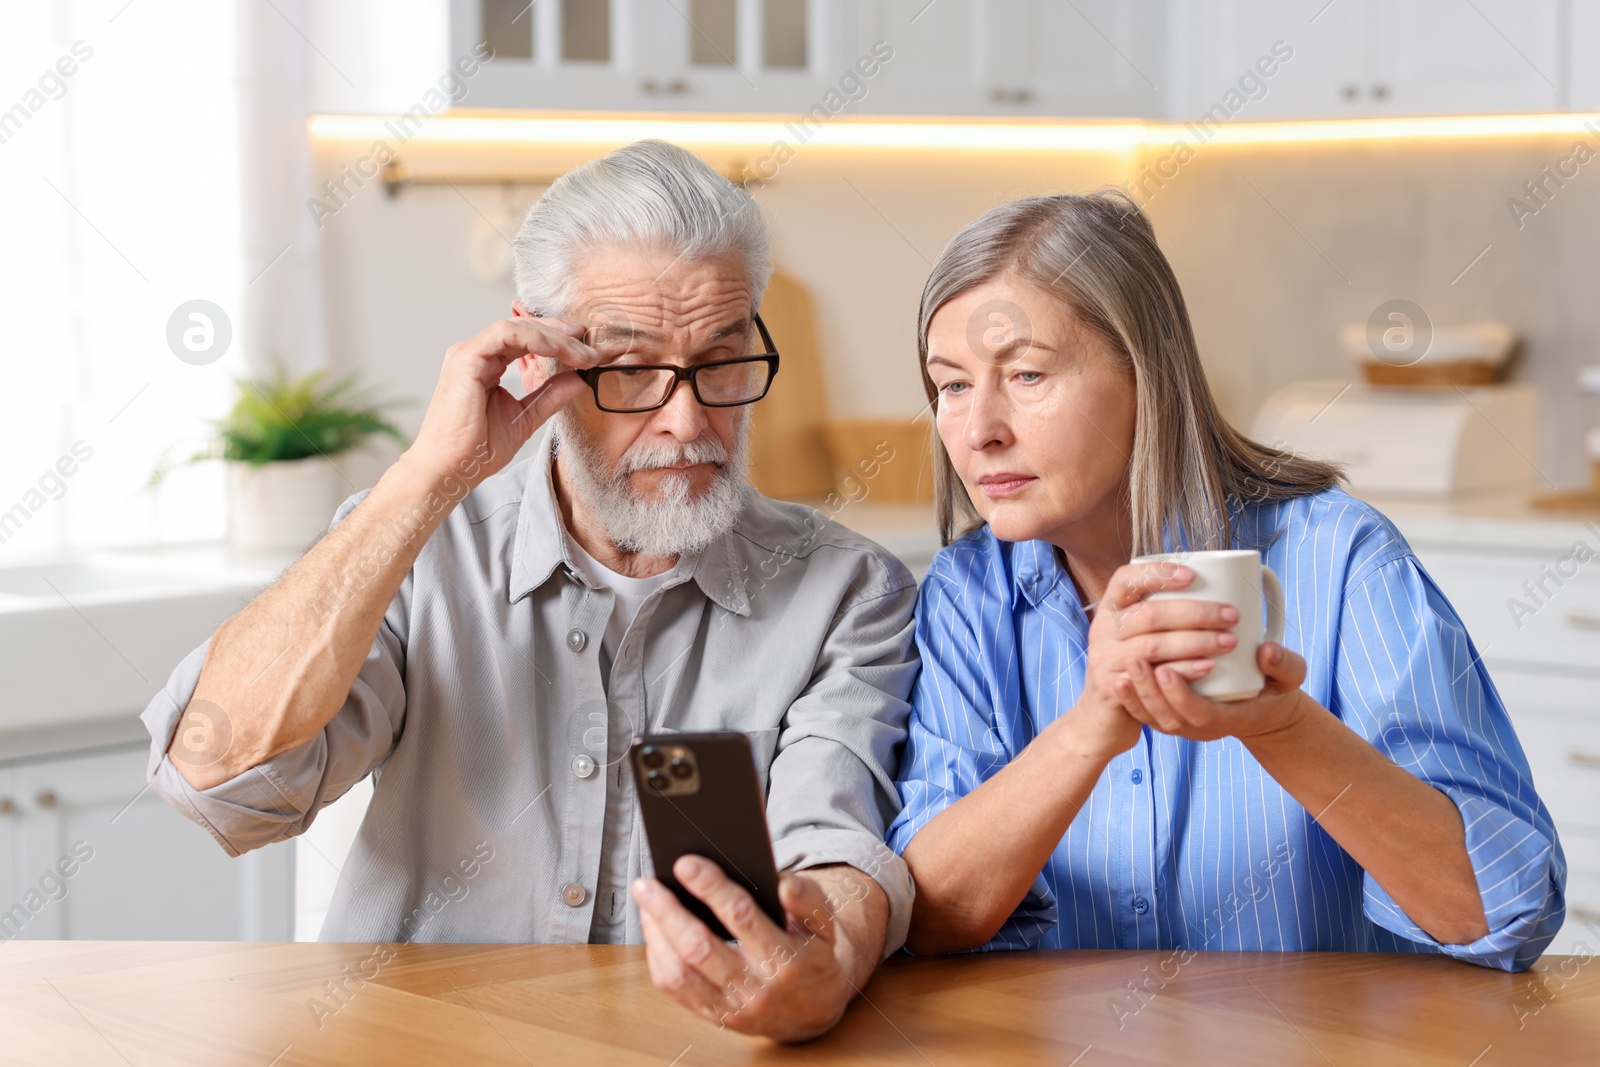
(518, 311)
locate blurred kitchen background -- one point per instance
(1382, 214)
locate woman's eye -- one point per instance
(953, 388)
(1029, 377)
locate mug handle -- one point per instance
(1275, 609)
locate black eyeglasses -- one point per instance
(724, 383)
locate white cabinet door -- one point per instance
(139, 869)
(1449, 56)
(1582, 59)
(1557, 719)
(1244, 60)
(937, 55)
(769, 56)
(1089, 58)
(1370, 57)
(11, 923)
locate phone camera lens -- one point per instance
(652, 758)
(658, 781)
(681, 768)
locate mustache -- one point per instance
(649, 457)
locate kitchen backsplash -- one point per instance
(1276, 245)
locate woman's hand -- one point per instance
(1161, 698)
(1129, 633)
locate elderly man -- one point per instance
(486, 640)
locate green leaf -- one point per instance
(278, 418)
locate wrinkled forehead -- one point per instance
(644, 296)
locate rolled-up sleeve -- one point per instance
(955, 743)
(279, 797)
(832, 793)
(1409, 679)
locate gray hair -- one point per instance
(649, 194)
(1097, 254)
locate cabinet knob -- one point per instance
(7, 806)
(1350, 91)
(1380, 91)
(47, 798)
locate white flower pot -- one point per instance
(282, 507)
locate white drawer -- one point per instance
(1581, 932)
(1557, 719)
(1561, 624)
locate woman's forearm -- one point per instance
(975, 861)
(1401, 830)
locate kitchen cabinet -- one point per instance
(1581, 45)
(776, 56)
(1545, 663)
(1149, 59)
(1013, 57)
(1096, 57)
(1356, 58)
(91, 853)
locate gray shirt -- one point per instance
(502, 809)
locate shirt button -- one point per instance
(574, 895)
(1140, 904)
(583, 766)
(1138, 776)
(577, 640)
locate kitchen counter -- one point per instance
(284, 1004)
(90, 637)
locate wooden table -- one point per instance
(84, 1003)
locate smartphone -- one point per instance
(699, 795)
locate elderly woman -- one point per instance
(1063, 785)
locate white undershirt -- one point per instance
(629, 595)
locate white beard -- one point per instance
(673, 524)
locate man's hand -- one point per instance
(474, 426)
(786, 984)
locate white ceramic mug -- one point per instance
(1237, 577)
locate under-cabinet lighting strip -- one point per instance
(765, 133)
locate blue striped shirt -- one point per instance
(1192, 845)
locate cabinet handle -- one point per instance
(1584, 620)
(1011, 96)
(7, 806)
(1579, 758)
(675, 87)
(47, 798)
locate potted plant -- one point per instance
(278, 442)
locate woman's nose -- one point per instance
(988, 419)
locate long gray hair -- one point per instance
(1098, 255)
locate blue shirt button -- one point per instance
(1138, 776)
(1141, 905)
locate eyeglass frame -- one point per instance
(591, 375)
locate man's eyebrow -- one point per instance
(630, 333)
(737, 328)
(610, 331)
